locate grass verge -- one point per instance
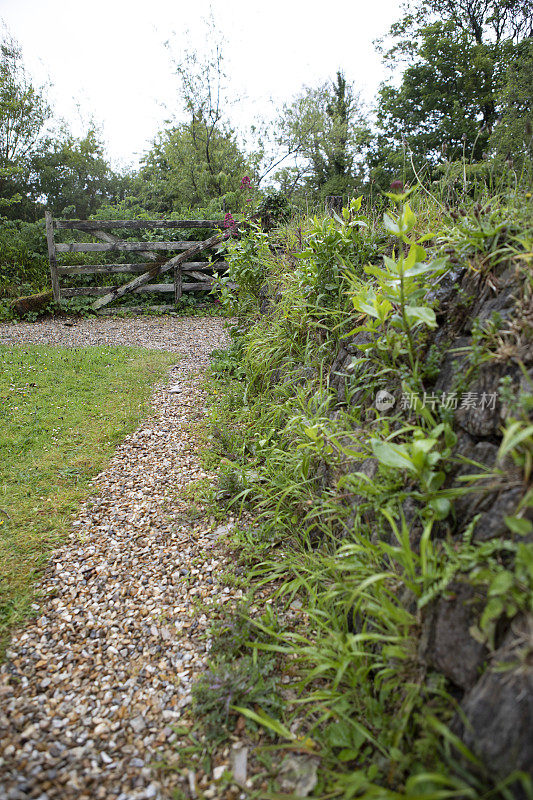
(62, 412)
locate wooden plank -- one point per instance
(129, 247)
(90, 291)
(134, 224)
(204, 286)
(84, 291)
(165, 288)
(156, 287)
(117, 269)
(52, 256)
(158, 269)
(136, 309)
(105, 269)
(205, 265)
(192, 273)
(178, 283)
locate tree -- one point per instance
(24, 113)
(196, 158)
(189, 165)
(447, 102)
(484, 21)
(513, 135)
(324, 132)
(73, 176)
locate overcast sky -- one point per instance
(106, 59)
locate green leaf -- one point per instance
(377, 272)
(515, 434)
(519, 525)
(441, 507)
(420, 268)
(493, 610)
(524, 558)
(501, 583)
(268, 722)
(421, 315)
(392, 455)
(423, 445)
(416, 255)
(348, 754)
(391, 225)
(339, 734)
(408, 218)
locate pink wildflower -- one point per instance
(230, 224)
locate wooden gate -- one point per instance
(188, 275)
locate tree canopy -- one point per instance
(189, 165)
(24, 112)
(462, 87)
(450, 95)
(324, 130)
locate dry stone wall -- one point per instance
(494, 686)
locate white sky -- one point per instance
(106, 59)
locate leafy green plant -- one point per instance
(423, 459)
(334, 245)
(244, 681)
(239, 288)
(355, 509)
(400, 294)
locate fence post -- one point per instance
(178, 282)
(52, 255)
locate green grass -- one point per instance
(62, 412)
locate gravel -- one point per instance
(93, 684)
(192, 337)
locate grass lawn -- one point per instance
(62, 412)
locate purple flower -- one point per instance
(396, 186)
(246, 183)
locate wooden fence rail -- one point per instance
(188, 275)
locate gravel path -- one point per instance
(192, 337)
(92, 685)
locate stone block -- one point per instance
(446, 642)
(499, 708)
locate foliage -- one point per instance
(241, 682)
(189, 165)
(73, 175)
(444, 96)
(23, 257)
(24, 112)
(246, 257)
(274, 208)
(450, 97)
(334, 246)
(196, 160)
(355, 509)
(402, 284)
(513, 135)
(324, 131)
